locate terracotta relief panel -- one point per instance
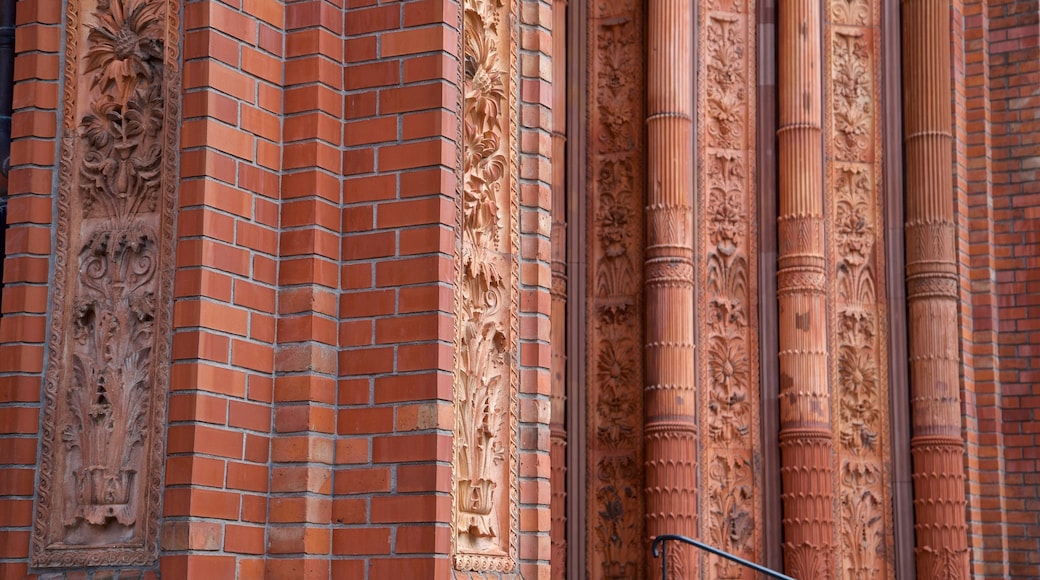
(109, 342)
(485, 518)
(615, 547)
(727, 303)
(855, 246)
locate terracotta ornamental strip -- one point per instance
(109, 342)
(727, 321)
(485, 497)
(614, 494)
(856, 269)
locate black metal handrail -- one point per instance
(660, 549)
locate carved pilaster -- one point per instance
(614, 418)
(937, 446)
(670, 397)
(485, 494)
(805, 407)
(109, 341)
(728, 300)
(859, 327)
(558, 315)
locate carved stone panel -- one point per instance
(614, 301)
(109, 341)
(485, 495)
(855, 253)
(728, 298)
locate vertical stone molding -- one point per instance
(727, 315)
(936, 444)
(670, 397)
(856, 266)
(558, 314)
(486, 509)
(614, 416)
(805, 406)
(107, 378)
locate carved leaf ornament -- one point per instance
(485, 386)
(105, 391)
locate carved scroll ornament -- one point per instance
(485, 496)
(109, 344)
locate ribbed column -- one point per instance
(671, 426)
(558, 312)
(805, 415)
(936, 443)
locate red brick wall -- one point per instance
(1014, 57)
(985, 461)
(536, 96)
(1000, 267)
(34, 155)
(391, 503)
(216, 504)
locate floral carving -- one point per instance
(727, 303)
(856, 12)
(615, 502)
(725, 94)
(861, 519)
(106, 383)
(618, 531)
(485, 449)
(858, 329)
(852, 96)
(112, 337)
(732, 524)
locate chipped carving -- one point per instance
(106, 383)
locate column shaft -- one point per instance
(671, 427)
(936, 444)
(805, 415)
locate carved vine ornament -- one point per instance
(485, 388)
(105, 387)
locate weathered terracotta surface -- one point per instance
(727, 320)
(615, 547)
(558, 315)
(936, 444)
(805, 405)
(670, 397)
(109, 342)
(485, 521)
(859, 327)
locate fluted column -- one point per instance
(936, 444)
(558, 312)
(671, 426)
(805, 415)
